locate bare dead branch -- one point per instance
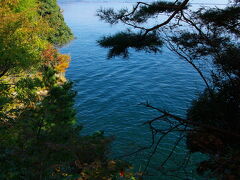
(190, 123)
(156, 146)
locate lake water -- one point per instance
(110, 91)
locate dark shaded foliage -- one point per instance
(121, 42)
(110, 16)
(42, 140)
(147, 11)
(228, 18)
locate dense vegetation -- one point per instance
(39, 135)
(207, 39)
(49, 10)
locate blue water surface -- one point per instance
(110, 90)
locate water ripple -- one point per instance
(109, 91)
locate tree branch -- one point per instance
(189, 123)
(181, 7)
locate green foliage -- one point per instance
(49, 76)
(42, 140)
(51, 12)
(24, 5)
(21, 39)
(35, 133)
(26, 89)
